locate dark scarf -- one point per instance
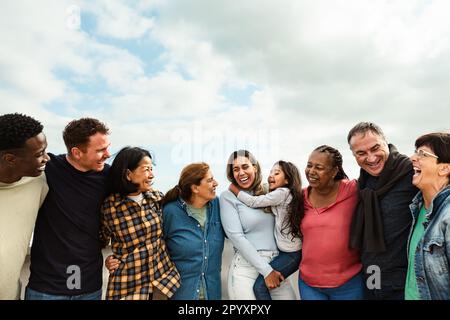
(366, 231)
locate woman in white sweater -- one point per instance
(286, 202)
(251, 233)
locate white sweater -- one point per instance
(19, 205)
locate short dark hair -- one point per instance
(16, 129)
(362, 128)
(78, 132)
(127, 158)
(439, 142)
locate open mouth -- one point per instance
(375, 165)
(243, 180)
(41, 168)
(313, 179)
(417, 171)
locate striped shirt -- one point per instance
(137, 242)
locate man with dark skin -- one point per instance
(22, 190)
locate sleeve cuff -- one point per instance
(267, 271)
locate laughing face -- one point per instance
(95, 154)
(244, 172)
(371, 152)
(276, 178)
(319, 170)
(142, 176)
(33, 157)
(425, 167)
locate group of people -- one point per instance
(384, 236)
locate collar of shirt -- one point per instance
(153, 196)
(184, 206)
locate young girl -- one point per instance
(286, 201)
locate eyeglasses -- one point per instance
(424, 154)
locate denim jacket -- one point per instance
(432, 257)
(196, 252)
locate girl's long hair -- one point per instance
(296, 209)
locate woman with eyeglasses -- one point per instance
(428, 276)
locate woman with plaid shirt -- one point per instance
(132, 219)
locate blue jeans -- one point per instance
(353, 289)
(31, 294)
(286, 263)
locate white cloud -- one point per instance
(317, 67)
(118, 20)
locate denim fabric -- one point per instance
(432, 257)
(31, 294)
(242, 276)
(286, 263)
(351, 290)
(396, 217)
(196, 252)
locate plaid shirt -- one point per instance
(137, 241)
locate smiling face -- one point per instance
(319, 171)
(31, 160)
(142, 176)
(371, 152)
(94, 155)
(244, 172)
(426, 168)
(206, 190)
(276, 178)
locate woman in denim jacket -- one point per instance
(194, 233)
(428, 275)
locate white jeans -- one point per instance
(242, 276)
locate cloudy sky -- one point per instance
(194, 80)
